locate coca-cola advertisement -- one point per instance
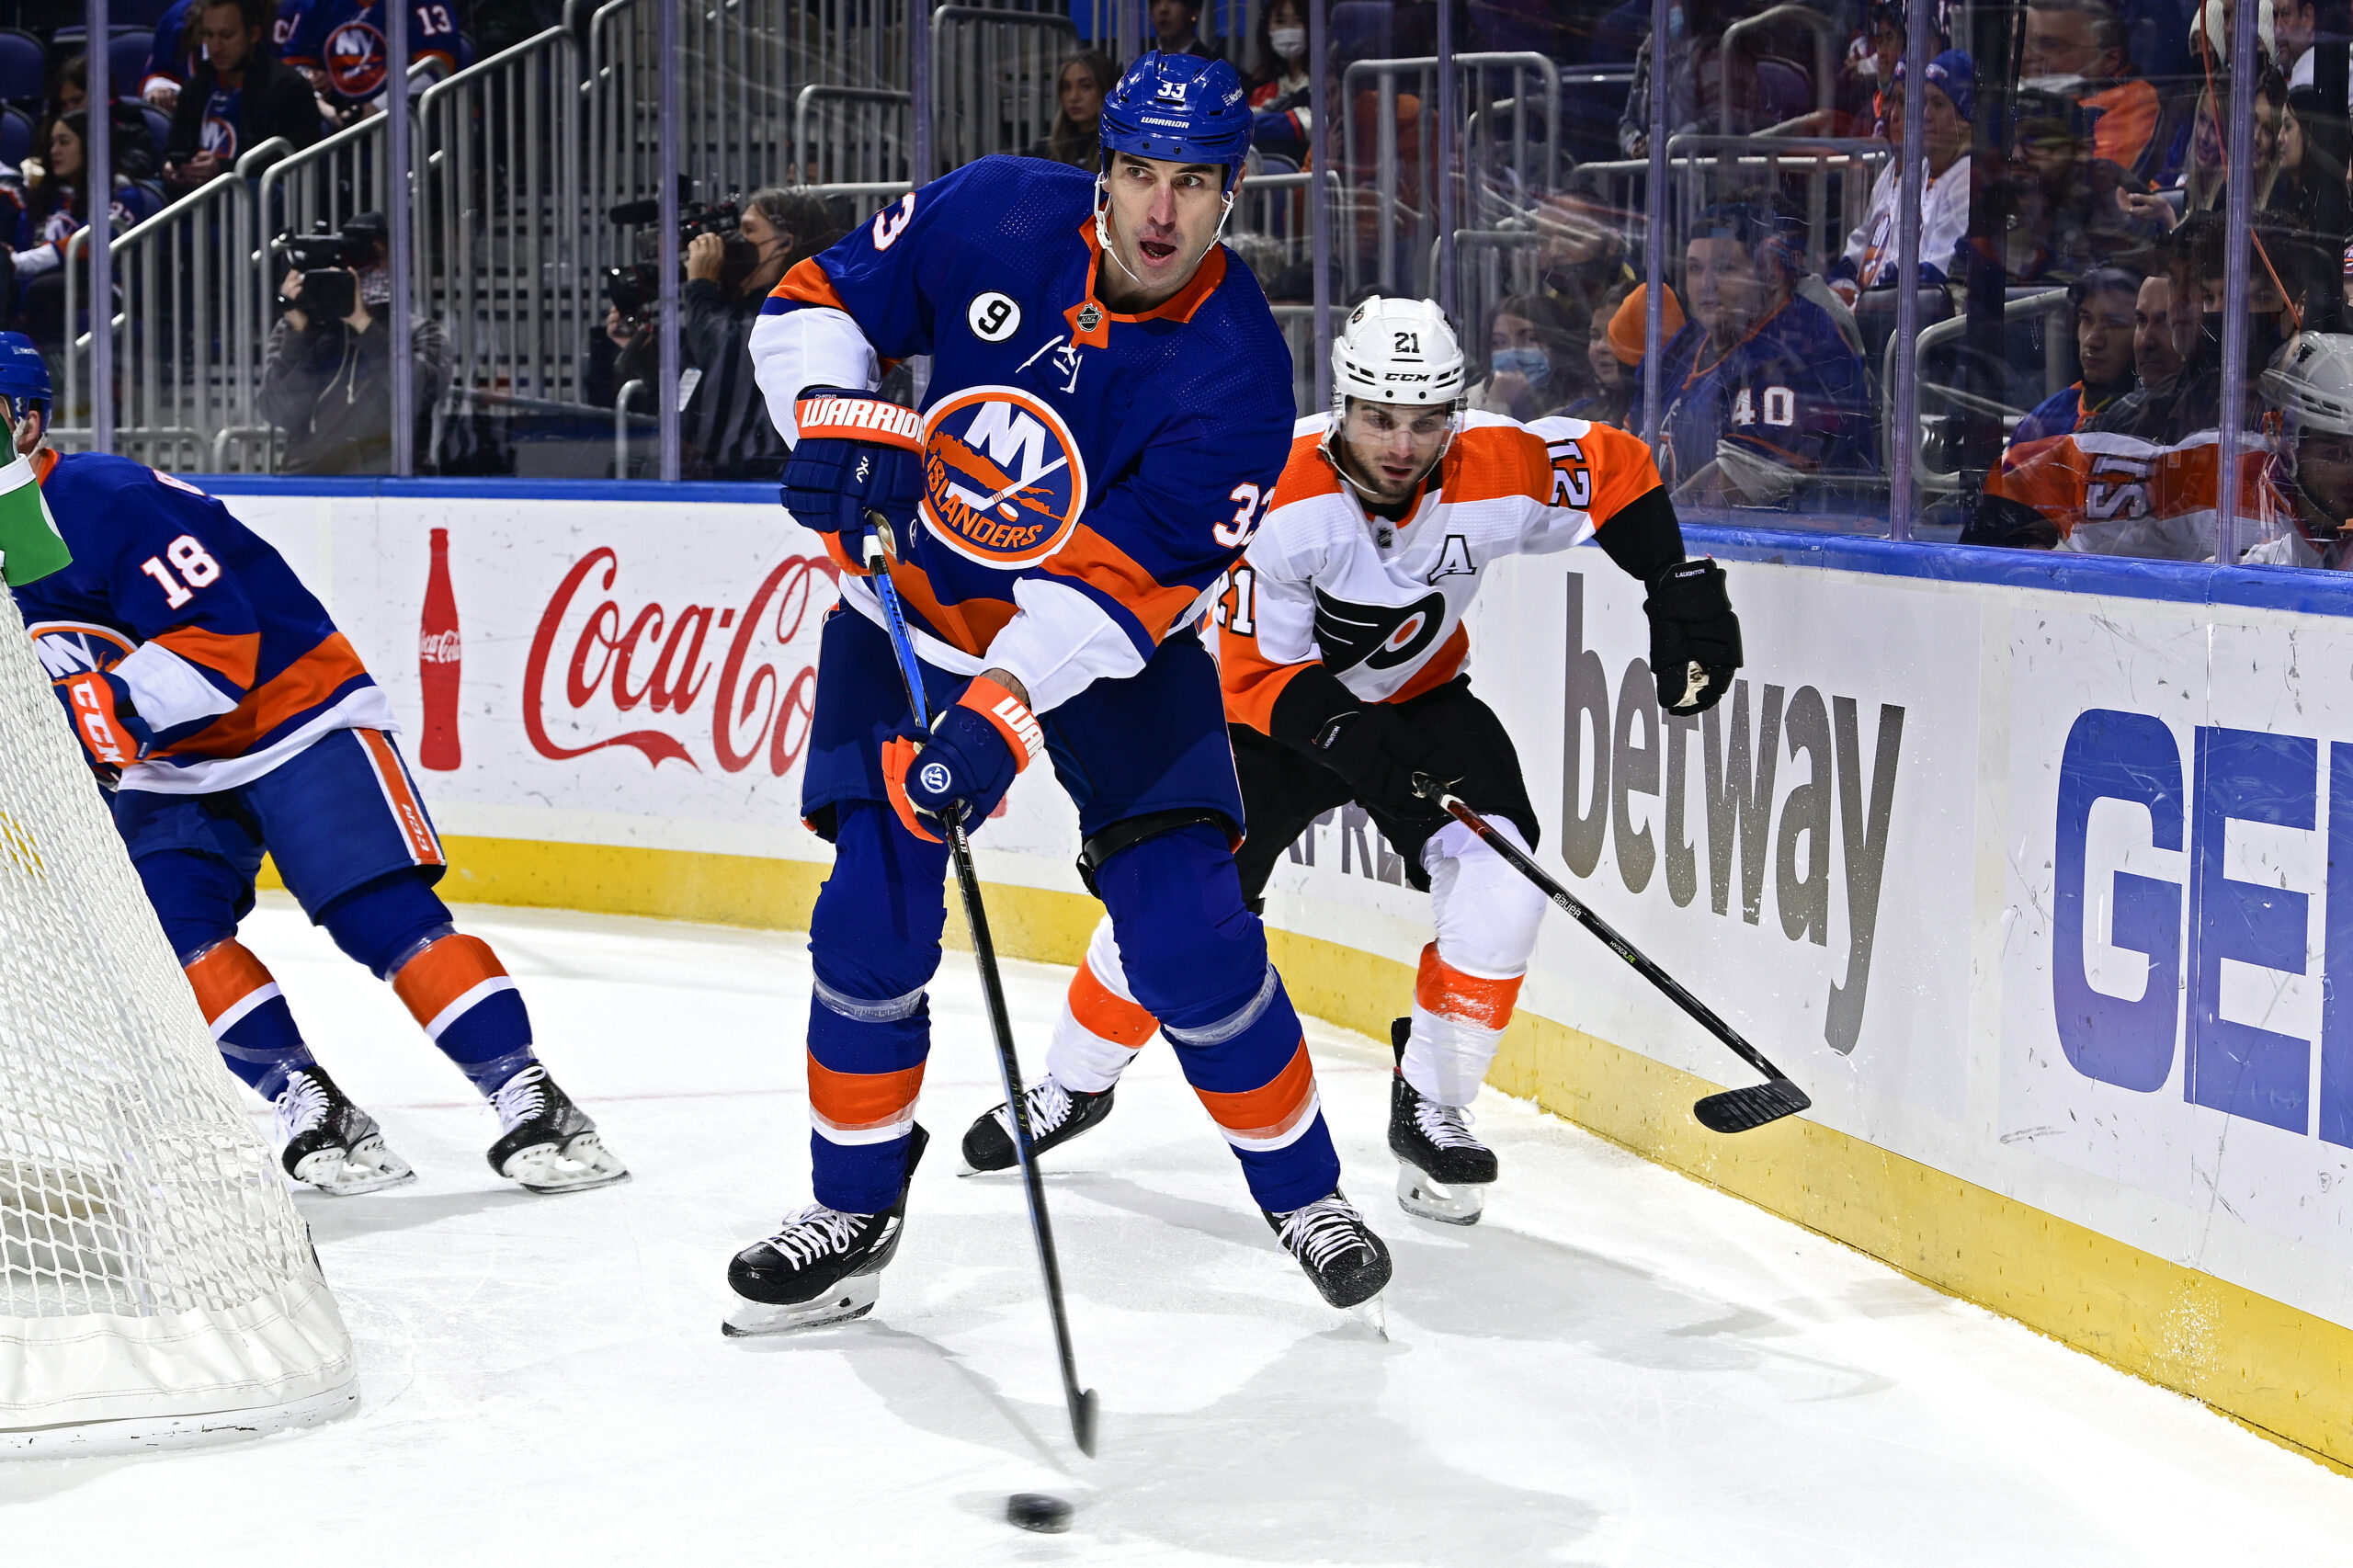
(602, 671)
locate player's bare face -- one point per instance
(1386, 448)
(2325, 472)
(1163, 217)
(1728, 295)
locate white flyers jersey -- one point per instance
(1381, 604)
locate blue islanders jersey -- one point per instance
(346, 39)
(166, 60)
(1092, 473)
(1790, 394)
(225, 653)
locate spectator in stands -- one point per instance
(1080, 84)
(1616, 382)
(1532, 362)
(69, 92)
(2305, 169)
(2077, 48)
(1175, 26)
(1278, 73)
(724, 423)
(1699, 99)
(1870, 255)
(69, 87)
(328, 383)
(2205, 181)
(2104, 302)
(2071, 210)
(239, 97)
(1584, 256)
(57, 207)
(171, 56)
(1766, 402)
(1868, 73)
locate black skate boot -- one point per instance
(821, 1267)
(1338, 1249)
(1057, 1115)
(330, 1143)
(549, 1144)
(1442, 1171)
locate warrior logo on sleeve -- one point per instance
(1004, 483)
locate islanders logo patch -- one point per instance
(1004, 483)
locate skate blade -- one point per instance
(580, 1166)
(1424, 1200)
(850, 1300)
(365, 1166)
(1374, 1314)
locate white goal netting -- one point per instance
(155, 1280)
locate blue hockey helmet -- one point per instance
(24, 375)
(1180, 108)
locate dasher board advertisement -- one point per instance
(2039, 888)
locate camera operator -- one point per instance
(723, 424)
(326, 376)
(239, 97)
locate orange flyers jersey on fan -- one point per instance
(1381, 604)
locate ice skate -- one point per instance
(549, 1144)
(1442, 1172)
(1338, 1249)
(1057, 1115)
(330, 1143)
(823, 1267)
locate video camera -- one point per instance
(634, 289)
(329, 263)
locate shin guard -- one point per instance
(250, 1020)
(1101, 1025)
(458, 992)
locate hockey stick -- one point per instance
(1734, 1110)
(880, 547)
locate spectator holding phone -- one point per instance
(239, 96)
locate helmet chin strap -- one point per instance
(1336, 451)
(1103, 229)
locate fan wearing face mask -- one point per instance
(1278, 83)
(1533, 366)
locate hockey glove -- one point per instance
(1374, 752)
(976, 749)
(97, 705)
(857, 454)
(1695, 637)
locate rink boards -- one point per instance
(2037, 873)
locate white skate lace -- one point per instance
(814, 1231)
(301, 1106)
(1322, 1230)
(520, 1098)
(1447, 1125)
(1048, 1105)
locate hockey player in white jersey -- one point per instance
(1344, 660)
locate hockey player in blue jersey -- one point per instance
(206, 683)
(1765, 400)
(1108, 412)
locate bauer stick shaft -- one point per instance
(879, 550)
(1734, 1110)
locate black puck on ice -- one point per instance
(1036, 1511)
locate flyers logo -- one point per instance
(356, 60)
(1004, 483)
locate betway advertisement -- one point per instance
(2051, 892)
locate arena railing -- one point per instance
(854, 135)
(993, 81)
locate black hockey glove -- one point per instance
(1374, 752)
(1695, 637)
(857, 453)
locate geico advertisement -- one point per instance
(2178, 963)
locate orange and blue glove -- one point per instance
(98, 706)
(857, 454)
(977, 747)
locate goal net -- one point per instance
(156, 1284)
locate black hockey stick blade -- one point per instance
(1081, 1421)
(1741, 1110)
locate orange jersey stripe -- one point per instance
(1252, 682)
(444, 971)
(416, 828)
(808, 284)
(1267, 1112)
(226, 976)
(232, 656)
(854, 1101)
(1104, 1013)
(971, 625)
(1104, 566)
(1445, 990)
(305, 683)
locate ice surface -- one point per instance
(1617, 1366)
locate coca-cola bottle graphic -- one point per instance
(437, 663)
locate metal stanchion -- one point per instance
(1441, 166)
(2241, 205)
(1920, 17)
(1319, 204)
(1655, 241)
(666, 198)
(400, 257)
(99, 174)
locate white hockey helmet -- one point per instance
(1397, 351)
(2310, 384)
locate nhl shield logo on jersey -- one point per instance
(1004, 483)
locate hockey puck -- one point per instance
(1036, 1511)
